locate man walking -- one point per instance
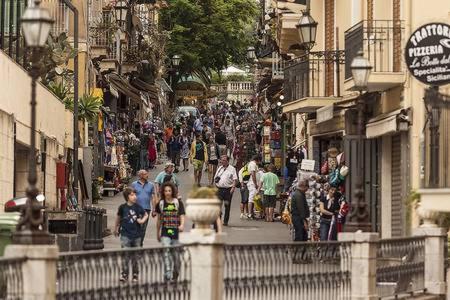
(199, 154)
(228, 129)
(145, 194)
(165, 176)
(252, 184)
(226, 180)
(292, 161)
(300, 212)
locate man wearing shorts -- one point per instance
(252, 184)
(199, 154)
(269, 182)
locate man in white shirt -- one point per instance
(253, 183)
(225, 180)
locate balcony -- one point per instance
(240, 87)
(278, 65)
(287, 35)
(313, 81)
(381, 42)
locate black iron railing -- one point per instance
(400, 266)
(11, 278)
(288, 271)
(315, 75)
(380, 40)
(11, 39)
(153, 273)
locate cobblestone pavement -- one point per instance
(238, 231)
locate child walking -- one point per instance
(130, 216)
(169, 224)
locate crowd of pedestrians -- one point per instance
(214, 142)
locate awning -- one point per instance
(384, 124)
(164, 85)
(309, 104)
(151, 89)
(122, 85)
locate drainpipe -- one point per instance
(75, 97)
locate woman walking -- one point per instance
(213, 154)
(329, 207)
(185, 149)
(151, 150)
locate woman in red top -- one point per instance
(151, 147)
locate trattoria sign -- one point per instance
(427, 54)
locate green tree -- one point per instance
(209, 34)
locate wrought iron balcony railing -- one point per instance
(380, 41)
(317, 74)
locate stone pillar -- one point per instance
(435, 256)
(38, 271)
(364, 263)
(205, 248)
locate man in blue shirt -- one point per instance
(166, 175)
(145, 193)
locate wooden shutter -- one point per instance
(396, 188)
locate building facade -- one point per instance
(319, 95)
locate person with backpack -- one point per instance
(175, 149)
(130, 217)
(165, 176)
(244, 177)
(170, 222)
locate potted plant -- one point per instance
(203, 208)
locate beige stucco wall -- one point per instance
(53, 123)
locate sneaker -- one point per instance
(242, 216)
(123, 278)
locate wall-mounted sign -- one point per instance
(324, 113)
(308, 164)
(427, 54)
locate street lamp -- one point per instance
(307, 30)
(176, 59)
(361, 70)
(251, 53)
(359, 216)
(281, 97)
(36, 25)
(120, 11)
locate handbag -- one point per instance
(286, 217)
(324, 168)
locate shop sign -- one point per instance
(308, 164)
(427, 54)
(324, 114)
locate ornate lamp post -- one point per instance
(307, 29)
(36, 25)
(175, 62)
(121, 11)
(359, 216)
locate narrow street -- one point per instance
(238, 231)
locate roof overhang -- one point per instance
(379, 81)
(287, 35)
(122, 85)
(309, 104)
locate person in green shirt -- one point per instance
(268, 183)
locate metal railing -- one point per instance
(60, 14)
(315, 75)
(11, 278)
(154, 273)
(288, 271)
(400, 266)
(277, 66)
(11, 39)
(381, 42)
